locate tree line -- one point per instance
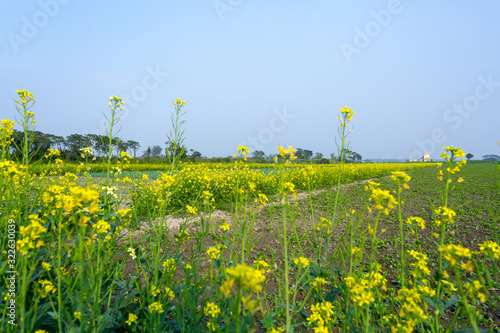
(70, 145)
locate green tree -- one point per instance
(133, 145)
(354, 157)
(308, 154)
(195, 154)
(469, 156)
(156, 151)
(259, 154)
(76, 141)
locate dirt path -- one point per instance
(217, 216)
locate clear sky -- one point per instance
(420, 75)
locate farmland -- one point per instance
(396, 247)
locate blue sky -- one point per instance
(420, 75)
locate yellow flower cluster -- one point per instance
(7, 127)
(447, 215)
(214, 253)
(191, 210)
(401, 177)
(245, 277)
(451, 252)
(262, 266)
(301, 262)
(86, 151)
(262, 199)
(11, 171)
(491, 249)
(243, 151)
(472, 289)
(321, 315)
(348, 113)
(154, 290)
(318, 283)
(382, 199)
(211, 309)
(46, 288)
(156, 307)
(412, 310)
(115, 103)
(420, 265)
(324, 224)
(418, 221)
(132, 318)
(182, 236)
(288, 187)
(455, 152)
(31, 235)
(25, 97)
(169, 266)
(284, 152)
(101, 227)
(361, 288)
(225, 226)
(179, 103)
(6, 130)
(52, 152)
(169, 292)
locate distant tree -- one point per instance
(58, 142)
(258, 154)
(308, 154)
(469, 156)
(147, 153)
(299, 153)
(38, 144)
(133, 145)
(156, 151)
(76, 141)
(101, 146)
(491, 158)
(122, 146)
(119, 145)
(93, 139)
(195, 154)
(354, 157)
(318, 156)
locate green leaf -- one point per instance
(452, 301)
(120, 284)
(330, 297)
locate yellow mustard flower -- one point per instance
(132, 318)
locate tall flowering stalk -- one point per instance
(445, 214)
(24, 104)
(115, 104)
(175, 150)
(344, 119)
(402, 179)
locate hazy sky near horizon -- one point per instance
(420, 75)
